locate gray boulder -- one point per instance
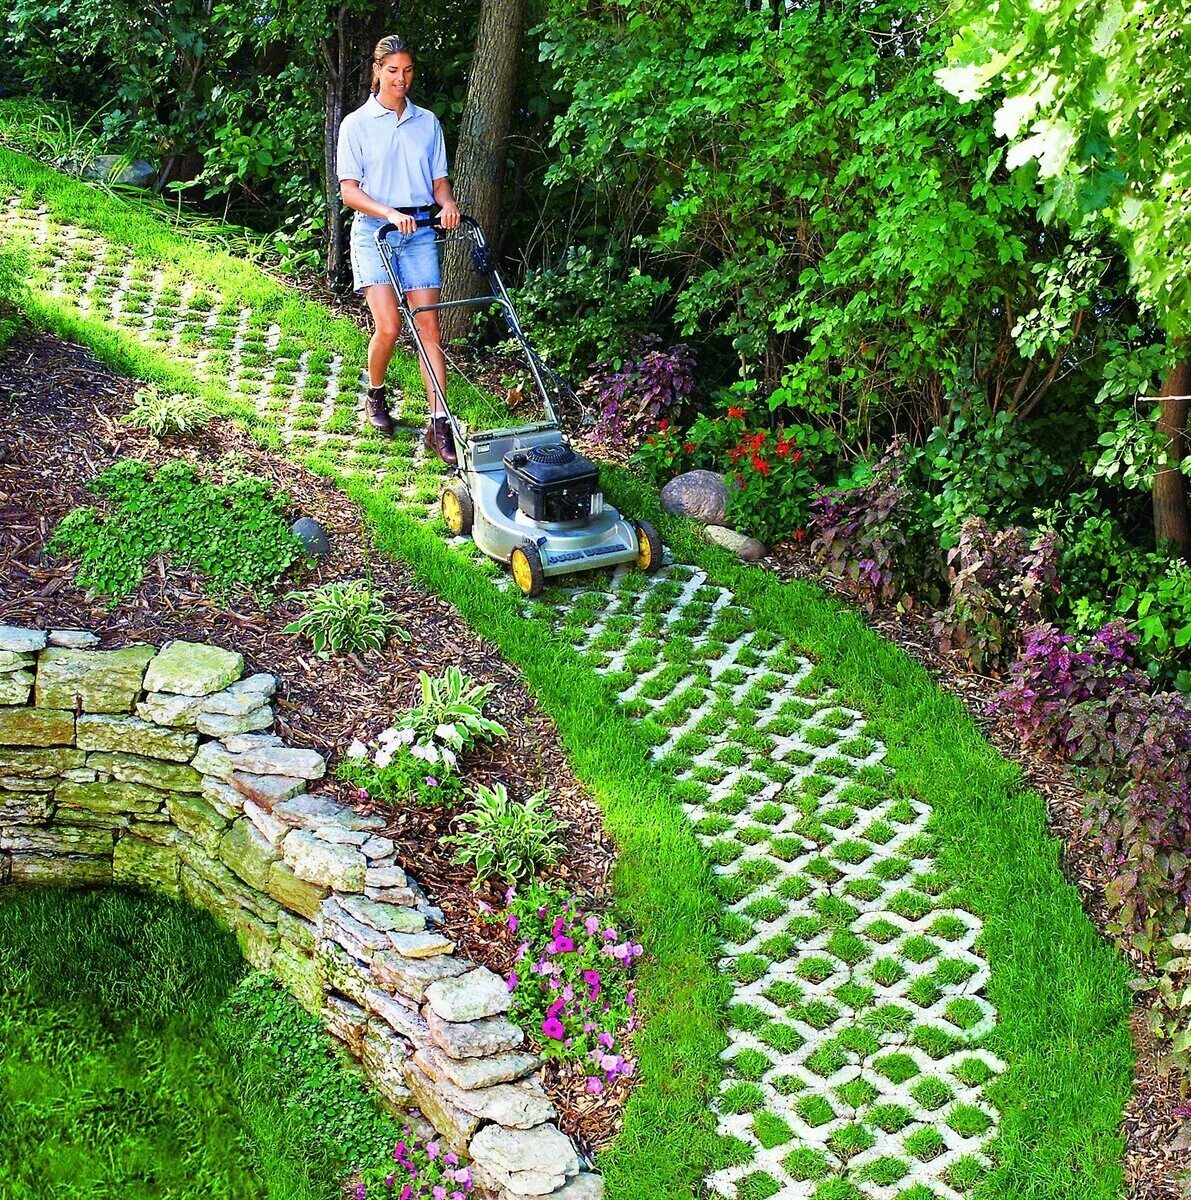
(312, 535)
(746, 548)
(137, 173)
(700, 495)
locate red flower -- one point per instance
(759, 464)
(651, 440)
(664, 424)
(738, 453)
(799, 534)
(738, 413)
(783, 447)
(758, 441)
(689, 447)
(797, 457)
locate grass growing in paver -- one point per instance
(1059, 994)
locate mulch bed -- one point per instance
(1157, 1120)
(62, 428)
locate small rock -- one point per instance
(249, 854)
(312, 535)
(345, 837)
(412, 976)
(479, 993)
(746, 548)
(15, 687)
(178, 712)
(73, 639)
(193, 669)
(103, 681)
(316, 861)
(36, 726)
(527, 1162)
(212, 759)
(387, 918)
(316, 813)
(585, 1186)
(222, 725)
(130, 735)
(273, 829)
(267, 790)
(113, 168)
(700, 495)
(421, 945)
(473, 1039)
(399, 1013)
(134, 768)
(296, 894)
(385, 877)
(10, 660)
(473, 1073)
(455, 1124)
(225, 800)
(238, 743)
(22, 641)
(281, 760)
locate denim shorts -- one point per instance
(415, 256)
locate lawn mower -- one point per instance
(525, 496)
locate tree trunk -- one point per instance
(335, 234)
(1170, 491)
(480, 158)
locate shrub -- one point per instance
(1000, 582)
(160, 413)
(1052, 676)
(646, 388)
(449, 720)
(505, 838)
(403, 779)
(344, 617)
(572, 983)
(872, 537)
(235, 536)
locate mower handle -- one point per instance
(431, 219)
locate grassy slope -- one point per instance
(1059, 991)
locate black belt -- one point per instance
(414, 212)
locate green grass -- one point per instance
(138, 1061)
(1059, 991)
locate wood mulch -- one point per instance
(61, 428)
(1157, 1120)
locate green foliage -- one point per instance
(11, 284)
(159, 412)
(109, 1070)
(403, 779)
(449, 720)
(235, 535)
(345, 617)
(586, 308)
(507, 839)
(1093, 92)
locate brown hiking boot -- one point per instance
(377, 409)
(438, 437)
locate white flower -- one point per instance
(449, 757)
(356, 750)
(427, 753)
(383, 758)
(406, 736)
(449, 734)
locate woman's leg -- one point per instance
(427, 324)
(386, 320)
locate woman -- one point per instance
(392, 165)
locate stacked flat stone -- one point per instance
(155, 768)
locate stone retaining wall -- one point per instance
(154, 768)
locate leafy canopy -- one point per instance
(1095, 93)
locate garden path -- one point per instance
(855, 1064)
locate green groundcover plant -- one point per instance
(235, 535)
(510, 839)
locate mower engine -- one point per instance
(553, 483)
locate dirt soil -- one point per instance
(1157, 1122)
(61, 428)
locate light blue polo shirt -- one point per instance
(395, 159)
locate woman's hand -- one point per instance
(404, 222)
(448, 216)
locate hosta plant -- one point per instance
(159, 413)
(449, 720)
(572, 983)
(345, 617)
(511, 840)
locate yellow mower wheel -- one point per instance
(649, 548)
(457, 509)
(526, 563)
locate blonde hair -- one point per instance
(391, 44)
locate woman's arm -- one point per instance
(355, 197)
(445, 199)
